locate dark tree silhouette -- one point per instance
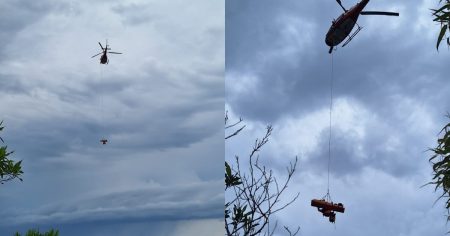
(253, 195)
(440, 159)
(34, 232)
(9, 169)
(442, 15)
(441, 166)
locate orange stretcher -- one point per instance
(328, 209)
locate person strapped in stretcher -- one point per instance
(328, 209)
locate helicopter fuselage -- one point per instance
(104, 59)
(343, 25)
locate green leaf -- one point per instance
(17, 166)
(440, 9)
(441, 35)
(227, 169)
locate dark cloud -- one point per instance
(383, 149)
(10, 84)
(158, 203)
(16, 16)
(135, 227)
(255, 27)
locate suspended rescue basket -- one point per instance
(328, 209)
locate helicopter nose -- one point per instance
(329, 42)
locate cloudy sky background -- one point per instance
(160, 104)
(390, 100)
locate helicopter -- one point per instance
(344, 24)
(104, 58)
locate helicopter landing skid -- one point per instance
(352, 36)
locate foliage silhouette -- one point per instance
(34, 232)
(9, 169)
(442, 15)
(441, 165)
(253, 195)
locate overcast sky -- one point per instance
(160, 105)
(390, 100)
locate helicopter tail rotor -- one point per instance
(380, 13)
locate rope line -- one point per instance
(101, 110)
(329, 137)
(101, 94)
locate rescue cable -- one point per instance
(102, 115)
(326, 205)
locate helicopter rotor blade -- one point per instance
(380, 13)
(101, 45)
(96, 55)
(340, 4)
(115, 52)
